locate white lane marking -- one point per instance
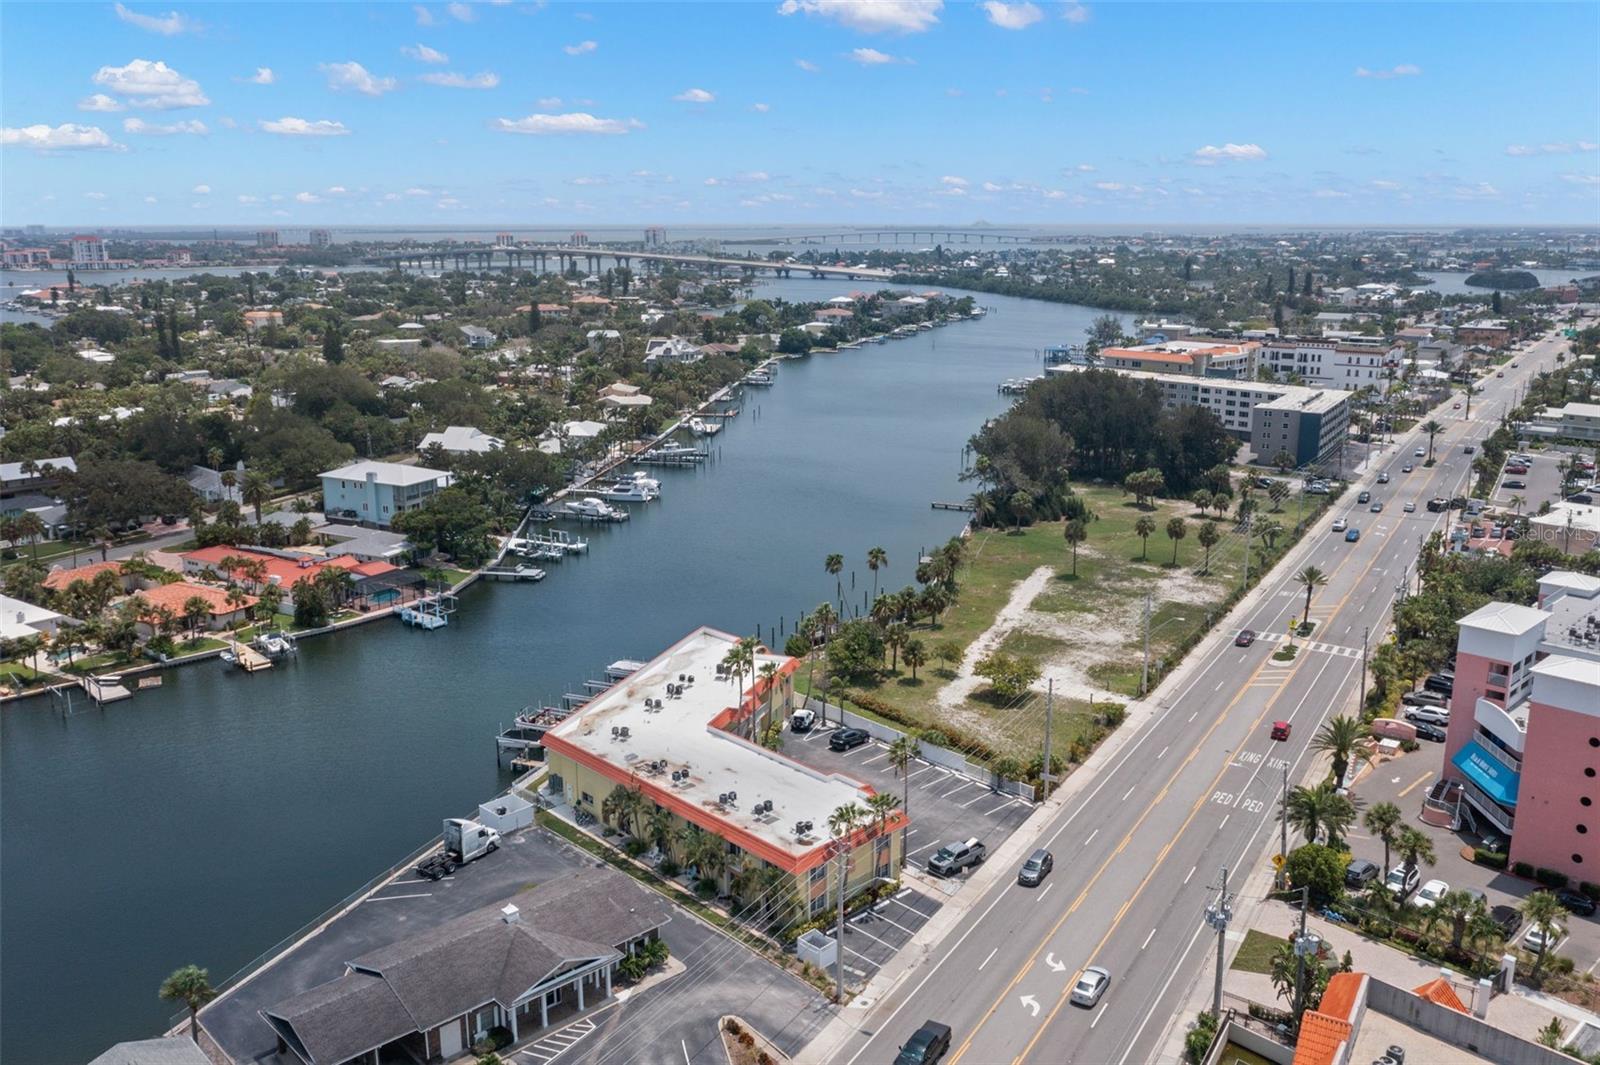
(1097, 1016)
(903, 892)
(1191, 873)
(1129, 792)
(1164, 750)
(979, 799)
(1092, 835)
(685, 1044)
(1220, 683)
(1046, 890)
(387, 898)
(862, 931)
(1224, 822)
(1147, 939)
(1194, 715)
(986, 961)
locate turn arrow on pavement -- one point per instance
(1058, 966)
(1031, 1003)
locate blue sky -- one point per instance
(854, 111)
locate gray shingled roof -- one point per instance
(427, 979)
(179, 1050)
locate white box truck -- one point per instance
(466, 840)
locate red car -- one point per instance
(1245, 638)
(1280, 730)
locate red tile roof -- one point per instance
(288, 572)
(173, 596)
(60, 578)
(1441, 991)
(1324, 1029)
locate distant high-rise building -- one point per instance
(266, 238)
(88, 251)
(320, 238)
(579, 240)
(33, 231)
(654, 236)
(504, 240)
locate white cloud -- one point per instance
(201, 190)
(414, 191)
(337, 190)
(485, 80)
(957, 182)
(871, 57)
(150, 199)
(100, 102)
(356, 78)
(152, 85)
(1108, 186)
(461, 12)
(1331, 194)
(168, 25)
(307, 197)
(588, 181)
(227, 123)
(1085, 168)
(989, 186)
(581, 48)
(1385, 186)
(140, 126)
(1076, 13)
(711, 181)
(300, 127)
(807, 65)
(1402, 70)
(66, 137)
(1581, 179)
(1229, 152)
(1481, 191)
(262, 76)
(695, 96)
(548, 103)
(423, 54)
(755, 175)
(1556, 148)
(424, 16)
(94, 196)
(871, 16)
(572, 122)
(1012, 16)
(761, 108)
(248, 200)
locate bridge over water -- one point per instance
(538, 256)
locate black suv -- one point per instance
(1508, 918)
(1360, 872)
(844, 739)
(1576, 901)
(927, 1045)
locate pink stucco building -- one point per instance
(1524, 733)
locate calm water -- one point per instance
(204, 821)
(1454, 283)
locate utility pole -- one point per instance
(1283, 825)
(1144, 676)
(1302, 947)
(1249, 520)
(1217, 916)
(843, 856)
(1049, 705)
(1366, 633)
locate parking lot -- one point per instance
(944, 806)
(1404, 781)
(1542, 481)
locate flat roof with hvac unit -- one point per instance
(671, 729)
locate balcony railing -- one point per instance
(1493, 750)
(1491, 810)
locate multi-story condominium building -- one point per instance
(683, 730)
(1575, 421)
(372, 493)
(266, 238)
(89, 251)
(1348, 363)
(1486, 332)
(1523, 743)
(1194, 358)
(320, 238)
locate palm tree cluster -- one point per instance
(892, 614)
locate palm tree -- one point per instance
(1459, 908)
(1414, 847)
(257, 490)
(1144, 528)
(1208, 537)
(1021, 504)
(711, 858)
(1517, 503)
(895, 636)
(1177, 529)
(877, 558)
(27, 526)
(880, 807)
(915, 655)
(1432, 428)
(1311, 578)
(190, 985)
(1076, 532)
(658, 828)
(1320, 811)
(834, 565)
(1382, 820)
(1269, 532)
(1341, 739)
(902, 752)
(1543, 911)
(844, 821)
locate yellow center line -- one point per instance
(1156, 865)
(1413, 785)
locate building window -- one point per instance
(817, 874)
(818, 905)
(586, 798)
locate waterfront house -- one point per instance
(555, 438)
(63, 577)
(20, 619)
(540, 958)
(220, 614)
(671, 350)
(170, 1050)
(33, 475)
(372, 493)
(281, 568)
(462, 440)
(683, 731)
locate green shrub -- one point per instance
(669, 867)
(1522, 869)
(635, 847)
(1410, 746)
(1550, 877)
(1591, 890)
(1197, 1044)
(1493, 859)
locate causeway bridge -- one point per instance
(538, 257)
(895, 235)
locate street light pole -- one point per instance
(1217, 916)
(1366, 633)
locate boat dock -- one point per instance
(938, 505)
(105, 689)
(249, 659)
(519, 573)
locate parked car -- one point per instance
(1430, 894)
(951, 858)
(1360, 872)
(1091, 986)
(1508, 918)
(1442, 682)
(927, 1045)
(1424, 698)
(1430, 715)
(843, 739)
(1280, 730)
(803, 720)
(1576, 901)
(1581, 497)
(1352, 536)
(1036, 868)
(1516, 468)
(1514, 484)
(1245, 638)
(1432, 733)
(1536, 939)
(1401, 880)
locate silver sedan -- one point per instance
(1091, 986)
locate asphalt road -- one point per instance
(1138, 855)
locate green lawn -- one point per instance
(1255, 953)
(17, 675)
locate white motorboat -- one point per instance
(627, 490)
(595, 509)
(274, 644)
(704, 427)
(759, 378)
